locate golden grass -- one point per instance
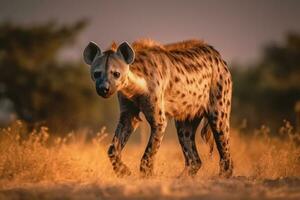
(38, 158)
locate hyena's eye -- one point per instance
(97, 75)
(116, 74)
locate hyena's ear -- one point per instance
(126, 52)
(90, 52)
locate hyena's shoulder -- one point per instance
(149, 59)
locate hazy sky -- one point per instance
(237, 28)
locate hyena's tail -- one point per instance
(207, 135)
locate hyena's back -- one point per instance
(192, 75)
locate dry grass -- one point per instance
(40, 166)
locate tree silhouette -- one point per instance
(40, 87)
(268, 91)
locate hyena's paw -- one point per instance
(226, 168)
(190, 171)
(122, 171)
(146, 168)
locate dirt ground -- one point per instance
(214, 188)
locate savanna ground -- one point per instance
(38, 165)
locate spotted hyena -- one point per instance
(187, 81)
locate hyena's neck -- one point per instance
(135, 85)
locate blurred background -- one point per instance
(43, 79)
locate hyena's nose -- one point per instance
(104, 88)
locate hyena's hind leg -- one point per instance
(221, 135)
(186, 131)
(219, 115)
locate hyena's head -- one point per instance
(109, 69)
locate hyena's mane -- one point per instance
(146, 44)
(186, 44)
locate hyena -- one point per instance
(187, 81)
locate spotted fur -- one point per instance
(187, 81)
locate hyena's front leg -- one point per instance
(158, 123)
(127, 124)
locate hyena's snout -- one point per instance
(103, 88)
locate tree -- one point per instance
(268, 91)
(41, 88)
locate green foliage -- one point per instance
(41, 88)
(268, 91)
